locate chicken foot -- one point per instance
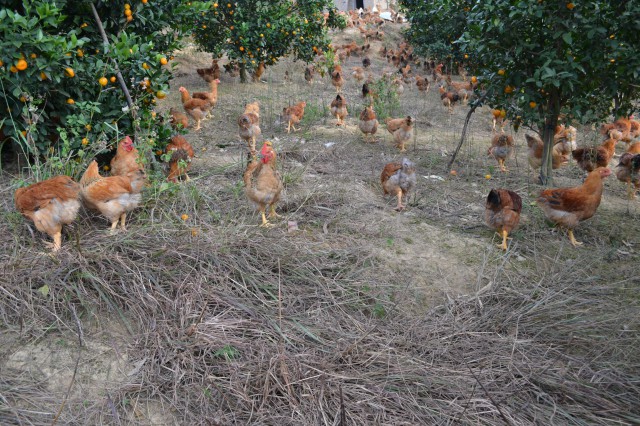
(505, 237)
(503, 168)
(265, 222)
(573, 240)
(272, 211)
(57, 242)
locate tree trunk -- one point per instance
(548, 131)
(243, 74)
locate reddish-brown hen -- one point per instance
(263, 183)
(181, 154)
(196, 108)
(126, 161)
(339, 109)
(589, 159)
(501, 148)
(502, 212)
(293, 114)
(368, 123)
(49, 205)
(567, 207)
(249, 126)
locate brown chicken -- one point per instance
(339, 109)
(293, 114)
(309, 73)
(368, 123)
(232, 69)
(178, 119)
(566, 207)
(358, 73)
(565, 139)
(423, 84)
(623, 129)
(366, 62)
(591, 158)
(502, 146)
(337, 78)
(212, 72)
(211, 95)
(49, 205)
(249, 126)
(448, 99)
(257, 73)
(628, 171)
(536, 147)
(195, 108)
(502, 212)
(127, 160)
(401, 129)
(112, 196)
(398, 179)
(634, 148)
(264, 188)
(181, 154)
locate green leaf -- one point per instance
(44, 290)
(567, 38)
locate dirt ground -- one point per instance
(416, 261)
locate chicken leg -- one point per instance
(272, 212)
(57, 240)
(505, 237)
(265, 222)
(400, 206)
(123, 219)
(573, 240)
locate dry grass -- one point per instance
(362, 316)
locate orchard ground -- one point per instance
(346, 308)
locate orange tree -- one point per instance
(435, 26)
(250, 31)
(58, 84)
(543, 59)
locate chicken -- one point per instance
(195, 108)
(634, 148)
(232, 69)
(358, 73)
(366, 90)
(565, 139)
(339, 109)
(178, 119)
(249, 126)
(211, 95)
(212, 72)
(366, 62)
(126, 160)
(536, 147)
(257, 73)
(628, 171)
(112, 196)
(623, 129)
(448, 99)
(398, 179)
(336, 78)
(181, 154)
(368, 123)
(401, 129)
(591, 158)
(398, 85)
(265, 191)
(309, 73)
(423, 84)
(501, 148)
(293, 114)
(566, 207)
(499, 118)
(502, 212)
(49, 205)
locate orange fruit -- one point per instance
(474, 79)
(13, 69)
(69, 72)
(163, 61)
(500, 72)
(127, 12)
(161, 94)
(23, 99)
(228, 4)
(184, 217)
(153, 114)
(1, 63)
(261, 35)
(503, 113)
(80, 53)
(241, 48)
(129, 18)
(127, 6)
(24, 133)
(570, 6)
(106, 168)
(215, 5)
(84, 25)
(145, 66)
(33, 55)
(487, 176)
(508, 89)
(144, 1)
(113, 79)
(88, 127)
(43, 76)
(85, 141)
(71, 101)
(268, 25)
(103, 81)
(533, 104)
(466, 56)
(158, 152)
(21, 65)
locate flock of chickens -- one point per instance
(55, 202)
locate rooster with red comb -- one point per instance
(263, 183)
